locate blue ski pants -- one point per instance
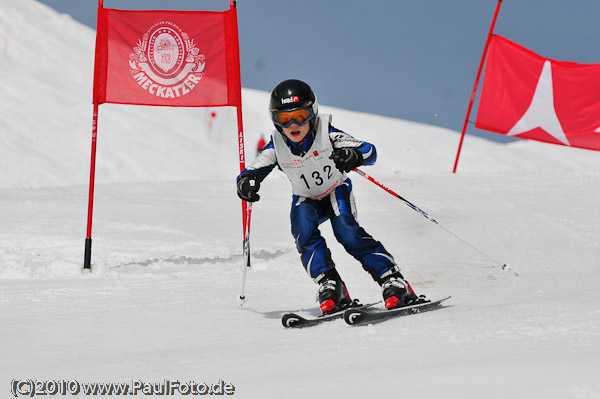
(307, 214)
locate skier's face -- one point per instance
(296, 133)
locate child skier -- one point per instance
(315, 156)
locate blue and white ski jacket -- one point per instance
(267, 160)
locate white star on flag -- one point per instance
(541, 112)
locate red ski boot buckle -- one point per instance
(327, 306)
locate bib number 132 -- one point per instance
(316, 177)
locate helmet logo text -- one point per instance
(293, 99)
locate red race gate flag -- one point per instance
(169, 58)
(165, 58)
(528, 96)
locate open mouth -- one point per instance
(294, 134)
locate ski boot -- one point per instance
(332, 295)
(396, 291)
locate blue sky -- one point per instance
(415, 60)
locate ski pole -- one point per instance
(246, 248)
(504, 266)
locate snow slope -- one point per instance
(162, 300)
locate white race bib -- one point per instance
(313, 175)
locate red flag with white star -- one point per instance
(529, 96)
(170, 58)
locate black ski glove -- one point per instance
(247, 188)
(346, 159)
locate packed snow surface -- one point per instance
(162, 300)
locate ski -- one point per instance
(358, 316)
(294, 320)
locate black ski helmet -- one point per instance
(293, 93)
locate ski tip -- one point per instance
(353, 316)
(362, 316)
(290, 320)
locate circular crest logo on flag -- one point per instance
(166, 62)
